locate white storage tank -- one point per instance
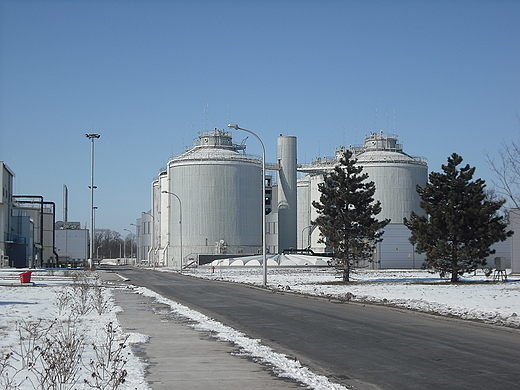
(395, 174)
(220, 192)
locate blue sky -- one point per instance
(148, 76)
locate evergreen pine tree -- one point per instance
(346, 214)
(461, 221)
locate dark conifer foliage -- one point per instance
(347, 213)
(461, 221)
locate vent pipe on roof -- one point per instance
(65, 204)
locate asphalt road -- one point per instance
(350, 343)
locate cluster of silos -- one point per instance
(395, 175)
(208, 201)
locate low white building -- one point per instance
(72, 246)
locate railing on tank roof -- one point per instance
(327, 163)
(217, 157)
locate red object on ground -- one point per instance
(25, 277)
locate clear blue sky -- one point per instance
(149, 75)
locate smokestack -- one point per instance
(287, 217)
(65, 204)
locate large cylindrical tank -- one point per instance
(220, 192)
(395, 174)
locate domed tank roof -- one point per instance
(215, 145)
(384, 148)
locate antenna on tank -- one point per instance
(394, 119)
(375, 121)
(205, 118)
(387, 121)
(228, 116)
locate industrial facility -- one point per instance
(206, 204)
(26, 227)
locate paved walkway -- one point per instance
(180, 357)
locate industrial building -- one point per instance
(71, 240)
(6, 203)
(205, 203)
(26, 227)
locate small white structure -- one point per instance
(72, 246)
(278, 260)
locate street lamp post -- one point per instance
(97, 254)
(138, 243)
(264, 257)
(94, 209)
(180, 221)
(92, 137)
(126, 262)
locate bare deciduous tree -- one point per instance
(507, 170)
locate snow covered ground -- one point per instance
(479, 298)
(48, 312)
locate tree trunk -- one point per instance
(454, 276)
(346, 272)
(454, 262)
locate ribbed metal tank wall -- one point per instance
(395, 174)
(396, 188)
(287, 203)
(221, 194)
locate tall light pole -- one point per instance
(94, 224)
(180, 221)
(130, 245)
(264, 257)
(92, 137)
(138, 235)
